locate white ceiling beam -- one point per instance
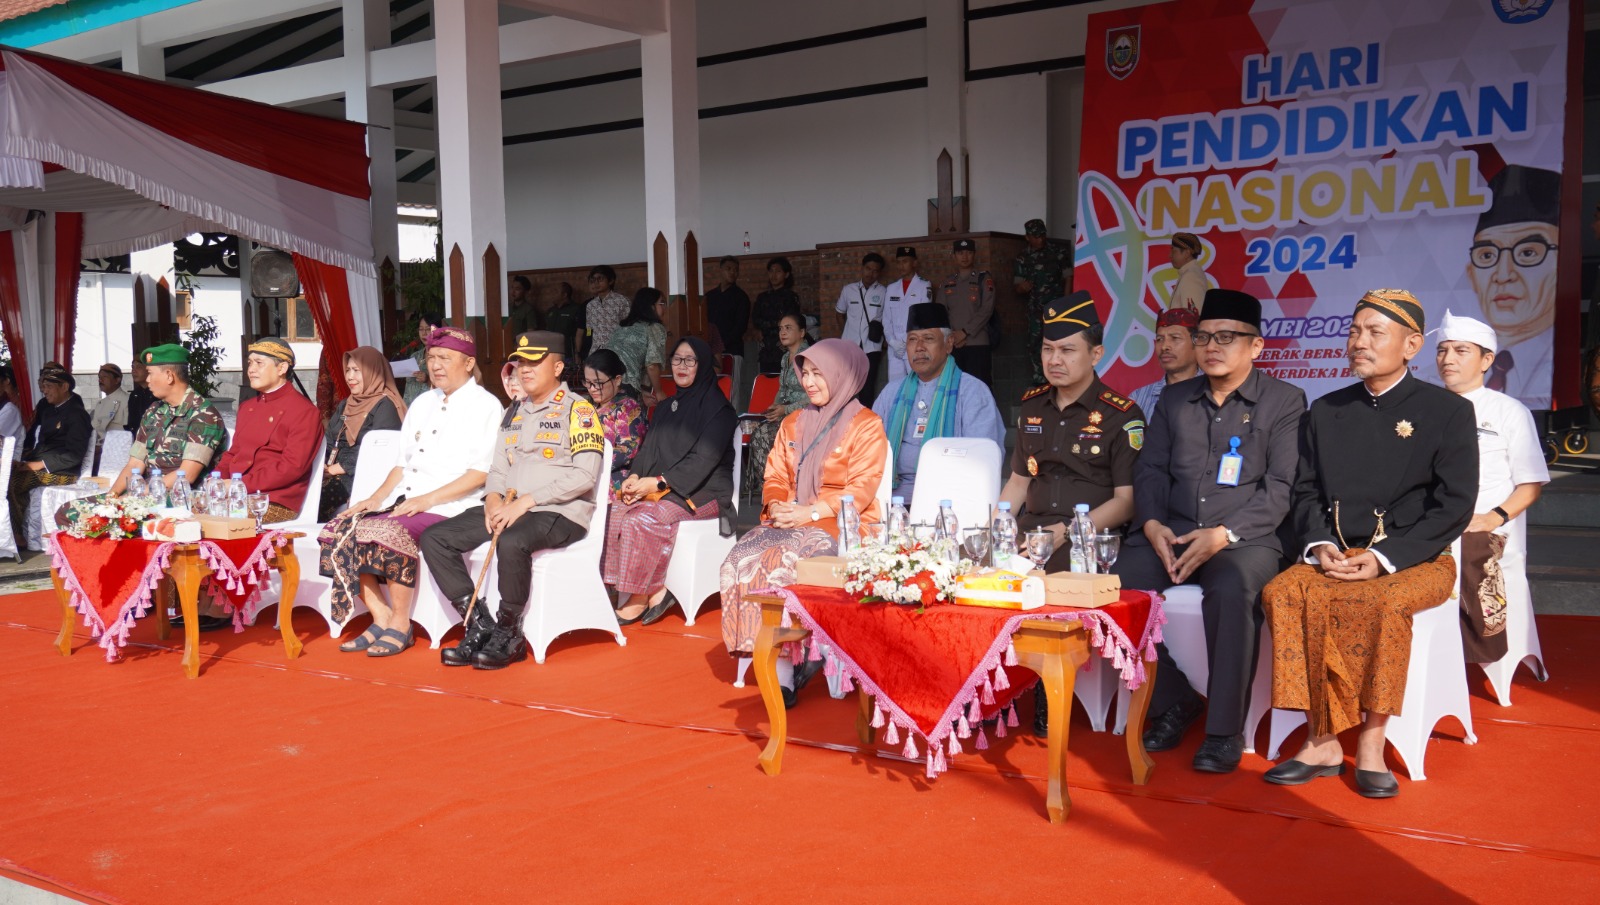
(520, 42)
(414, 139)
(190, 22)
(291, 87)
(642, 17)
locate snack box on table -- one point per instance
(1009, 590)
(217, 527)
(820, 571)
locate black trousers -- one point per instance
(1231, 581)
(444, 544)
(977, 361)
(869, 390)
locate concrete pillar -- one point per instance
(472, 178)
(366, 28)
(947, 121)
(671, 93)
(138, 57)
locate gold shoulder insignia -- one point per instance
(1115, 401)
(1036, 391)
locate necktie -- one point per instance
(1503, 363)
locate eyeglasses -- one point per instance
(597, 384)
(1529, 252)
(681, 362)
(1223, 337)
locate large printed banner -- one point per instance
(1320, 149)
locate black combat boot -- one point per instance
(506, 646)
(479, 627)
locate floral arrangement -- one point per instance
(116, 518)
(905, 572)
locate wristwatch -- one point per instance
(1232, 538)
(815, 516)
(661, 483)
(1504, 518)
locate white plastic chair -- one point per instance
(1436, 687)
(39, 522)
(1522, 635)
(1185, 634)
(963, 470)
(8, 541)
(694, 572)
(115, 450)
(565, 593)
(379, 450)
(307, 519)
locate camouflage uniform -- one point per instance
(1049, 270)
(191, 431)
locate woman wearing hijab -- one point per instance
(683, 471)
(832, 447)
(374, 404)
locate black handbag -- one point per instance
(875, 331)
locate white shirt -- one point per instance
(110, 413)
(860, 306)
(1191, 287)
(1532, 370)
(898, 299)
(445, 438)
(1509, 452)
(11, 426)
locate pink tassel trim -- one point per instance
(983, 739)
(893, 735)
(910, 751)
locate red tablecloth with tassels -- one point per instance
(110, 582)
(939, 673)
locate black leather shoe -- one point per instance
(479, 627)
(506, 646)
(654, 614)
(1219, 754)
(1298, 772)
(1041, 712)
(1376, 784)
(1167, 731)
(802, 675)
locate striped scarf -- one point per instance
(942, 415)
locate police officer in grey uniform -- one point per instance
(549, 451)
(969, 297)
(1077, 441)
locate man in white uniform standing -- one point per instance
(861, 303)
(1496, 627)
(905, 290)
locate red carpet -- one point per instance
(629, 775)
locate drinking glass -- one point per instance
(976, 542)
(1041, 545)
(1107, 545)
(258, 507)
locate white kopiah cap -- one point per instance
(1466, 329)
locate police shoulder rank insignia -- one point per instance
(1135, 431)
(1033, 466)
(1036, 391)
(1115, 401)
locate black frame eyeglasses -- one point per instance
(1526, 252)
(1223, 337)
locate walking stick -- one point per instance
(484, 573)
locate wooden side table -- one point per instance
(186, 570)
(1055, 650)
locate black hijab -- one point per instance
(693, 413)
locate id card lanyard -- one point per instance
(1232, 464)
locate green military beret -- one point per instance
(167, 354)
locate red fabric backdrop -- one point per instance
(327, 293)
(69, 260)
(11, 322)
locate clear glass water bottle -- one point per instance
(217, 494)
(1004, 535)
(155, 492)
(238, 497)
(1082, 536)
(899, 524)
(947, 530)
(849, 525)
(180, 492)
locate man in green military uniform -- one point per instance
(1077, 441)
(181, 432)
(1039, 275)
(540, 494)
(969, 297)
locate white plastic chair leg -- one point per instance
(744, 667)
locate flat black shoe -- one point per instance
(642, 613)
(1167, 731)
(1298, 772)
(803, 674)
(653, 615)
(1219, 754)
(1376, 784)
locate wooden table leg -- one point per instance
(1058, 667)
(769, 647)
(1138, 760)
(186, 572)
(68, 614)
(289, 568)
(864, 730)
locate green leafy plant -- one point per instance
(204, 354)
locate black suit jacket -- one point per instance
(1411, 454)
(62, 433)
(1175, 480)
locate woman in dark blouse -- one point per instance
(779, 299)
(374, 404)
